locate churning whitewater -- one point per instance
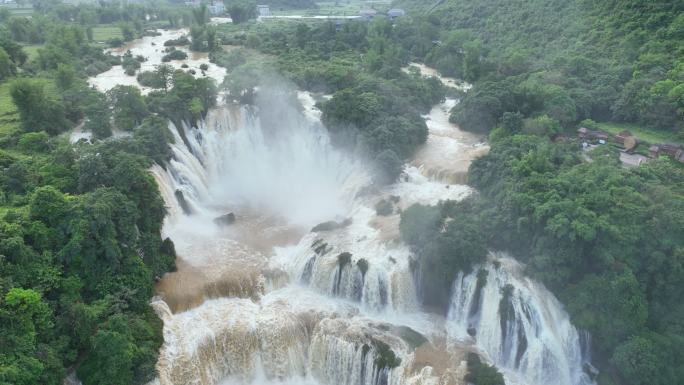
(286, 275)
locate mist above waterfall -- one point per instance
(279, 161)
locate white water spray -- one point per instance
(520, 326)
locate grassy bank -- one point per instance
(645, 135)
(9, 116)
(106, 32)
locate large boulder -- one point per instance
(183, 203)
(331, 225)
(225, 220)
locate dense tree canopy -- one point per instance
(80, 223)
(375, 109)
(582, 228)
(39, 109)
(609, 60)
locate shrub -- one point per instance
(174, 55)
(34, 142)
(151, 79)
(384, 356)
(588, 123)
(115, 42)
(389, 166)
(480, 373)
(183, 40)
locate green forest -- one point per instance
(80, 244)
(582, 225)
(618, 60)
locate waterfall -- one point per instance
(304, 283)
(233, 160)
(354, 263)
(263, 295)
(268, 167)
(518, 323)
(279, 339)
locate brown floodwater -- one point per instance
(230, 262)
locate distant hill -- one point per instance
(633, 50)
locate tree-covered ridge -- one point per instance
(80, 244)
(608, 241)
(79, 240)
(608, 61)
(582, 228)
(374, 107)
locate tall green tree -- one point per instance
(38, 108)
(241, 10)
(129, 108)
(7, 66)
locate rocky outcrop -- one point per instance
(331, 225)
(225, 220)
(183, 203)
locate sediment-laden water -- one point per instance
(286, 274)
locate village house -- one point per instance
(368, 14)
(217, 8)
(672, 149)
(593, 135)
(395, 13)
(263, 10)
(620, 138)
(627, 140)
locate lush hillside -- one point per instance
(80, 243)
(609, 61)
(608, 241)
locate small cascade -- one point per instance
(230, 337)
(518, 323)
(341, 353)
(449, 151)
(355, 264)
(277, 340)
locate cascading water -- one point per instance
(286, 274)
(520, 326)
(227, 159)
(280, 180)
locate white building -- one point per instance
(396, 12)
(263, 10)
